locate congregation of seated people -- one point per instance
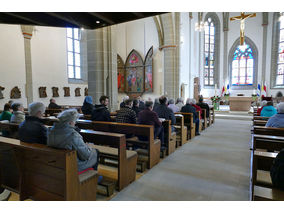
(277, 120)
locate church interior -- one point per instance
(230, 62)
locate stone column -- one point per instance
(95, 64)
(169, 56)
(225, 50)
(28, 33)
(177, 86)
(264, 44)
(102, 71)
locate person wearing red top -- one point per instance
(263, 104)
(198, 108)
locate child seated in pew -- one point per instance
(149, 117)
(278, 119)
(64, 135)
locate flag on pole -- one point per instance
(258, 90)
(228, 87)
(264, 89)
(223, 90)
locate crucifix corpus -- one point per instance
(242, 19)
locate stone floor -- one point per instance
(212, 167)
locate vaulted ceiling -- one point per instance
(87, 20)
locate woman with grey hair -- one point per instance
(32, 130)
(64, 135)
(173, 106)
(263, 104)
(18, 113)
(179, 103)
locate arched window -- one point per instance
(243, 65)
(73, 53)
(211, 49)
(277, 55)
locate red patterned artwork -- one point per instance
(120, 74)
(149, 71)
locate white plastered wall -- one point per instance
(12, 62)
(49, 64)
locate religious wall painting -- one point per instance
(66, 91)
(135, 73)
(15, 93)
(149, 71)
(77, 92)
(55, 92)
(42, 92)
(1, 94)
(120, 74)
(86, 91)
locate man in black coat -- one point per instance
(100, 112)
(191, 109)
(53, 105)
(203, 106)
(165, 112)
(33, 130)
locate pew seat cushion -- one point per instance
(263, 178)
(87, 175)
(264, 193)
(114, 151)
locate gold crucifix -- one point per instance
(242, 19)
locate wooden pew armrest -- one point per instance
(87, 175)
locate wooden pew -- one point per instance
(205, 119)
(260, 118)
(263, 190)
(181, 136)
(50, 174)
(126, 159)
(262, 130)
(267, 142)
(200, 121)
(50, 112)
(212, 115)
(169, 137)
(188, 122)
(152, 153)
(259, 122)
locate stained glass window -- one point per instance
(280, 60)
(243, 66)
(209, 52)
(73, 53)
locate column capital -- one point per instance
(27, 31)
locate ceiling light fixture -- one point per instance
(98, 22)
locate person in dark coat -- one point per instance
(149, 117)
(141, 104)
(53, 105)
(156, 104)
(87, 107)
(100, 112)
(203, 106)
(126, 114)
(165, 112)
(191, 109)
(136, 107)
(32, 130)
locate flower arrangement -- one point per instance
(215, 99)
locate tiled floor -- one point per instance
(213, 166)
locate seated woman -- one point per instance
(268, 110)
(18, 113)
(64, 135)
(278, 119)
(87, 107)
(263, 104)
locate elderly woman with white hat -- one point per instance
(64, 135)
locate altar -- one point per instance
(240, 103)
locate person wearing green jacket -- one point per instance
(6, 114)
